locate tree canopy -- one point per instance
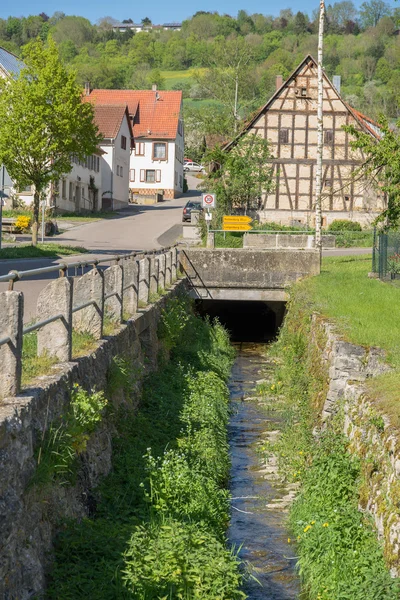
(43, 122)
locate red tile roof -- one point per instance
(156, 114)
(109, 117)
(372, 126)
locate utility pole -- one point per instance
(320, 147)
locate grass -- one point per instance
(33, 365)
(363, 308)
(41, 251)
(82, 344)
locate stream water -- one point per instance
(259, 498)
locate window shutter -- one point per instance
(158, 175)
(142, 174)
(132, 175)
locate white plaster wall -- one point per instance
(167, 167)
(113, 185)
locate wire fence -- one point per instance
(386, 255)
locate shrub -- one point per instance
(180, 560)
(344, 225)
(22, 223)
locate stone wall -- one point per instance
(29, 515)
(372, 437)
(285, 240)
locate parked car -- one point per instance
(187, 210)
(193, 166)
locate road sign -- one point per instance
(208, 216)
(236, 219)
(236, 227)
(209, 200)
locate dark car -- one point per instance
(187, 211)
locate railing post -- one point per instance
(113, 284)
(144, 280)
(161, 271)
(168, 268)
(153, 274)
(174, 263)
(11, 325)
(89, 287)
(55, 339)
(131, 285)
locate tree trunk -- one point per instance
(318, 182)
(35, 220)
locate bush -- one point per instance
(344, 225)
(22, 223)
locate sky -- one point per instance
(158, 11)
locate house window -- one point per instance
(139, 149)
(64, 188)
(284, 136)
(303, 92)
(328, 183)
(123, 142)
(150, 175)
(97, 164)
(121, 171)
(71, 191)
(159, 151)
(328, 136)
(132, 175)
(117, 169)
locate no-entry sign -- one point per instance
(209, 200)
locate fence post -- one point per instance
(131, 285)
(161, 271)
(144, 279)
(11, 325)
(89, 287)
(174, 263)
(153, 274)
(168, 268)
(113, 284)
(55, 339)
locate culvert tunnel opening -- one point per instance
(246, 320)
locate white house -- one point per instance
(156, 116)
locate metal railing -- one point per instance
(386, 255)
(149, 271)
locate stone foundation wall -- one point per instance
(29, 516)
(372, 437)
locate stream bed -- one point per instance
(259, 498)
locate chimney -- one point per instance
(87, 88)
(336, 80)
(154, 87)
(279, 81)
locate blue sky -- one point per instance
(158, 11)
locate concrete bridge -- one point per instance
(250, 274)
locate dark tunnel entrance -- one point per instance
(246, 321)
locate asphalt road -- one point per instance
(134, 228)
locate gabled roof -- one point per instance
(10, 64)
(109, 117)
(155, 113)
(365, 123)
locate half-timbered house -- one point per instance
(289, 122)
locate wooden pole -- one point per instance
(318, 182)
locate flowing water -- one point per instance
(259, 499)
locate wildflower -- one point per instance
(312, 522)
(307, 528)
(301, 452)
(289, 540)
(273, 386)
(298, 538)
(325, 525)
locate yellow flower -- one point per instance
(312, 522)
(325, 525)
(301, 452)
(298, 538)
(273, 386)
(307, 528)
(289, 540)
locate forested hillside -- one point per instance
(213, 53)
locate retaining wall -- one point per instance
(372, 436)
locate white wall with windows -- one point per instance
(115, 168)
(157, 165)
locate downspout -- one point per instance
(112, 174)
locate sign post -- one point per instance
(209, 201)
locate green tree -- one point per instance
(146, 22)
(371, 12)
(243, 173)
(382, 166)
(43, 122)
